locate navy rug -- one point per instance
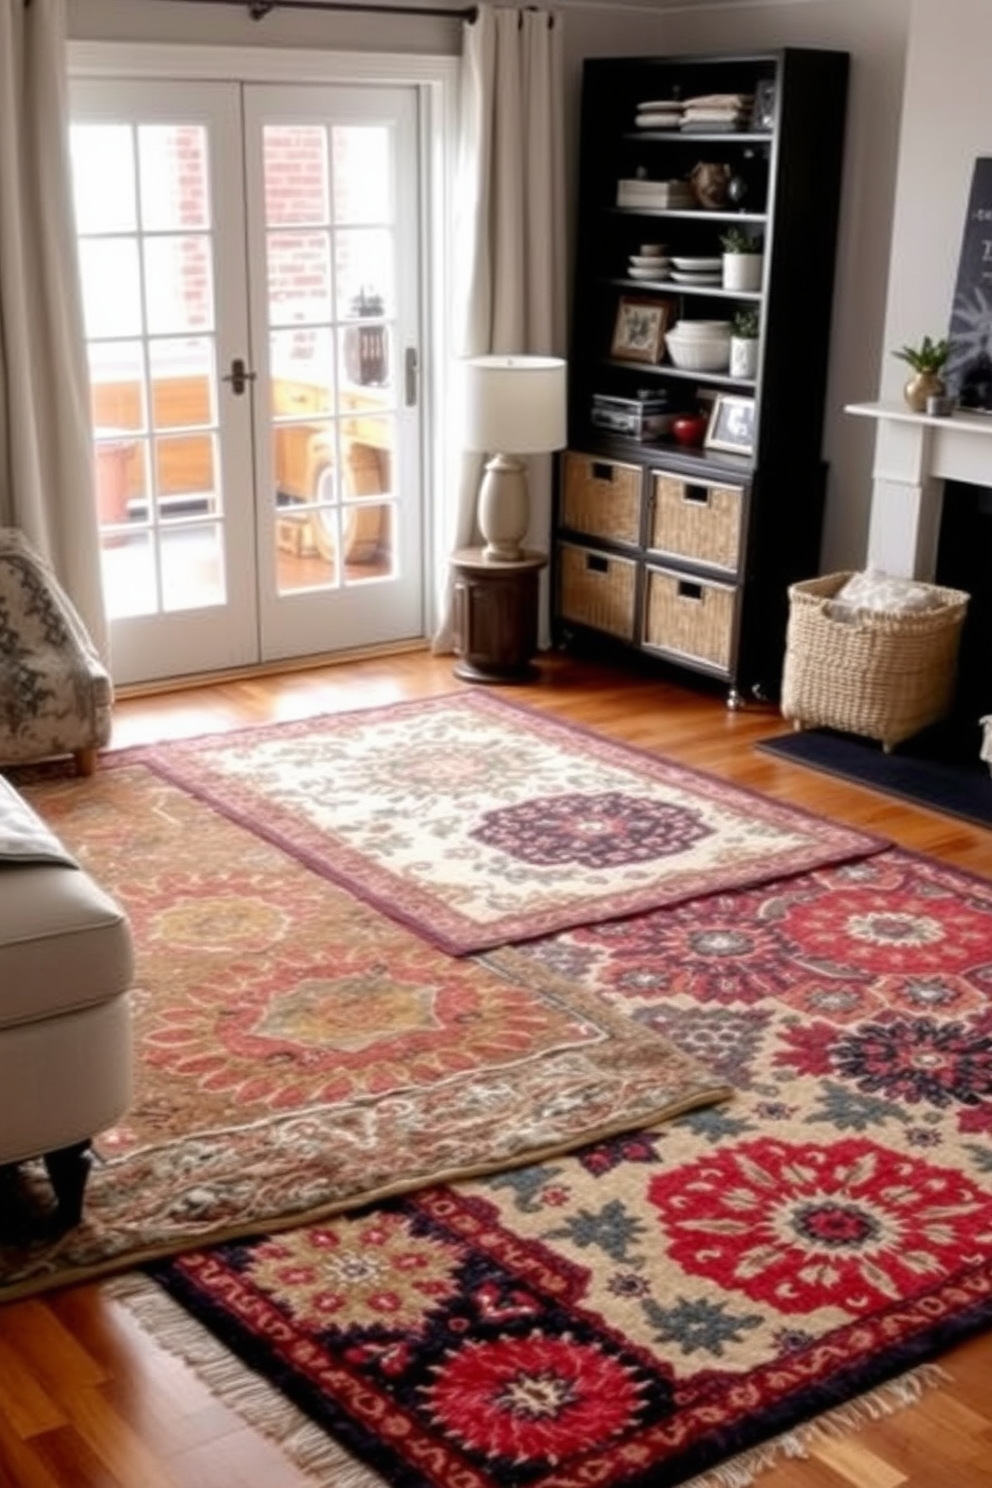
(932, 770)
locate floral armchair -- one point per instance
(55, 694)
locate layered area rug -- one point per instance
(479, 822)
(685, 1300)
(297, 1053)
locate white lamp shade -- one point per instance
(515, 404)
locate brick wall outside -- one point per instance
(175, 176)
(189, 185)
(295, 192)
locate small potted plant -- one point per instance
(744, 342)
(743, 259)
(927, 360)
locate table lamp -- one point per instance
(514, 405)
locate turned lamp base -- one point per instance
(504, 509)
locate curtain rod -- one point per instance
(259, 9)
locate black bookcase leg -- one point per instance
(68, 1170)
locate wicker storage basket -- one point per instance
(689, 617)
(602, 498)
(597, 589)
(702, 523)
(883, 675)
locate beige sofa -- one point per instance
(55, 693)
(65, 1018)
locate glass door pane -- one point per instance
(147, 273)
(342, 509)
(154, 222)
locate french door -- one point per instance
(251, 283)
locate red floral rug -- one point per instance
(480, 822)
(643, 1310)
(298, 1053)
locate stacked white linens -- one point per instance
(659, 113)
(717, 111)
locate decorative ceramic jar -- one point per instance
(743, 356)
(709, 180)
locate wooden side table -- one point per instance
(495, 616)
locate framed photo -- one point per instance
(763, 112)
(731, 425)
(639, 333)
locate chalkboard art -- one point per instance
(968, 372)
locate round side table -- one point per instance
(495, 615)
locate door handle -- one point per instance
(239, 376)
(411, 370)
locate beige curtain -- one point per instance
(46, 469)
(509, 249)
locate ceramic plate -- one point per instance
(662, 273)
(699, 265)
(711, 279)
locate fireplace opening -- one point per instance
(964, 561)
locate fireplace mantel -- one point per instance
(915, 453)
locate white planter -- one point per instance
(743, 356)
(743, 270)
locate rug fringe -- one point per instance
(259, 1404)
(844, 1420)
(319, 1456)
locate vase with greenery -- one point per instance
(744, 342)
(927, 360)
(743, 259)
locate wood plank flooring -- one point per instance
(88, 1400)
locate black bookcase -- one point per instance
(686, 553)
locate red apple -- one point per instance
(689, 428)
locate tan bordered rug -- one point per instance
(298, 1053)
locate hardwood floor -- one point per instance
(87, 1400)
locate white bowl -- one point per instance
(683, 340)
(694, 354)
(660, 273)
(704, 329)
(649, 261)
(682, 332)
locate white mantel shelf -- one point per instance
(915, 453)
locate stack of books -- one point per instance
(639, 193)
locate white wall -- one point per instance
(875, 32)
(946, 124)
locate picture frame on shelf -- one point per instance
(731, 425)
(639, 331)
(763, 110)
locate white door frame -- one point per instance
(436, 80)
